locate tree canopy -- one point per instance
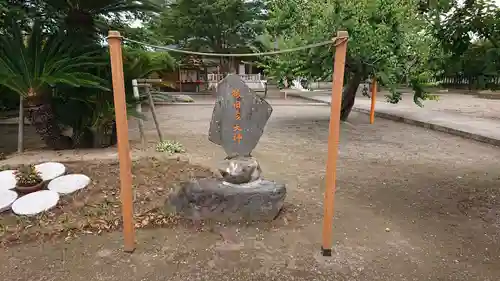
(52, 55)
(387, 39)
(469, 33)
(220, 26)
(407, 42)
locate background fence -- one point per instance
(462, 82)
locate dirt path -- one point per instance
(437, 195)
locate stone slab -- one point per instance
(35, 203)
(239, 117)
(50, 170)
(69, 183)
(7, 197)
(7, 180)
(212, 199)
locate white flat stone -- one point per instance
(7, 197)
(7, 180)
(69, 183)
(50, 170)
(35, 203)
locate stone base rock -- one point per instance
(240, 170)
(214, 199)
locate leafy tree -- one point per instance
(469, 31)
(89, 16)
(479, 65)
(387, 39)
(24, 12)
(458, 23)
(221, 26)
(32, 66)
(90, 112)
(139, 63)
(68, 101)
(85, 19)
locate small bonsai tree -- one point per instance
(27, 175)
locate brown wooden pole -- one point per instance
(115, 52)
(138, 108)
(333, 140)
(373, 100)
(153, 113)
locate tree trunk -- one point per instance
(20, 128)
(42, 117)
(103, 136)
(349, 95)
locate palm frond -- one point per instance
(32, 63)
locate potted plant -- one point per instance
(28, 179)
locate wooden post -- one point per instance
(115, 52)
(374, 100)
(333, 140)
(20, 129)
(138, 108)
(153, 112)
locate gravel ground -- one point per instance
(412, 204)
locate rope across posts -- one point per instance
(115, 51)
(306, 47)
(333, 141)
(373, 100)
(339, 43)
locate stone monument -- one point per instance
(238, 122)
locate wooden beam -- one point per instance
(115, 51)
(138, 108)
(149, 80)
(373, 100)
(153, 112)
(333, 140)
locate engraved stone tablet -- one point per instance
(238, 122)
(239, 117)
